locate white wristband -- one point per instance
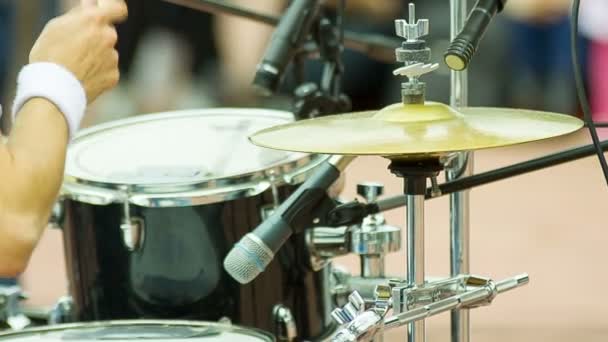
(56, 84)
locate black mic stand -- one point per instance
(313, 99)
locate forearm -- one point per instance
(32, 164)
(72, 62)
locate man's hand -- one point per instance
(83, 41)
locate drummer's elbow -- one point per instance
(14, 263)
(15, 260)
(17, 242)
(13, 268)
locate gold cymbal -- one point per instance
(429, 129)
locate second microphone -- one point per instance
(250, 256)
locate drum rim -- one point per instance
(101, 324)
(288, 171)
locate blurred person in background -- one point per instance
(6, 35)
(177, 58)
(20, 24)
(70, 65)
(594, 25)
(165, 51)
(201, 60)
(540, 56)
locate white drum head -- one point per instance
(179, 147)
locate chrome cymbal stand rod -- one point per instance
(415, 258)
(415, 175)
(462, 167)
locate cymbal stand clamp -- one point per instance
(415, 303)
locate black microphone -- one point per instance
(250, 256)
(464, 46)
(292, 30)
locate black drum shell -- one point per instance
(177, 272)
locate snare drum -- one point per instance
(153, 204)
(124, 331)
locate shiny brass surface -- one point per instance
(416, 130)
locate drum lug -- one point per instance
(269, 209)
(225, 320)
(133, 233)
(132, 229)
(285, 324)
(62, 312)
(57, 214)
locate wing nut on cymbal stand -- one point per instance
(415, 55)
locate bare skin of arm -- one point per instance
(32, 161)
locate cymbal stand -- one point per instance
(415, 176)
(415, 55)
(416, 298)
(462, 166)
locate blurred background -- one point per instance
(548, 223)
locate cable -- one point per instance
(580, 88)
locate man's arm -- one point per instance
(32, 161)
(31, 166)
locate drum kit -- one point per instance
(226, 230)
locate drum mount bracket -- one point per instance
(10, 314)
(365, 322)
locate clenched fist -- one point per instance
(83, 41)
